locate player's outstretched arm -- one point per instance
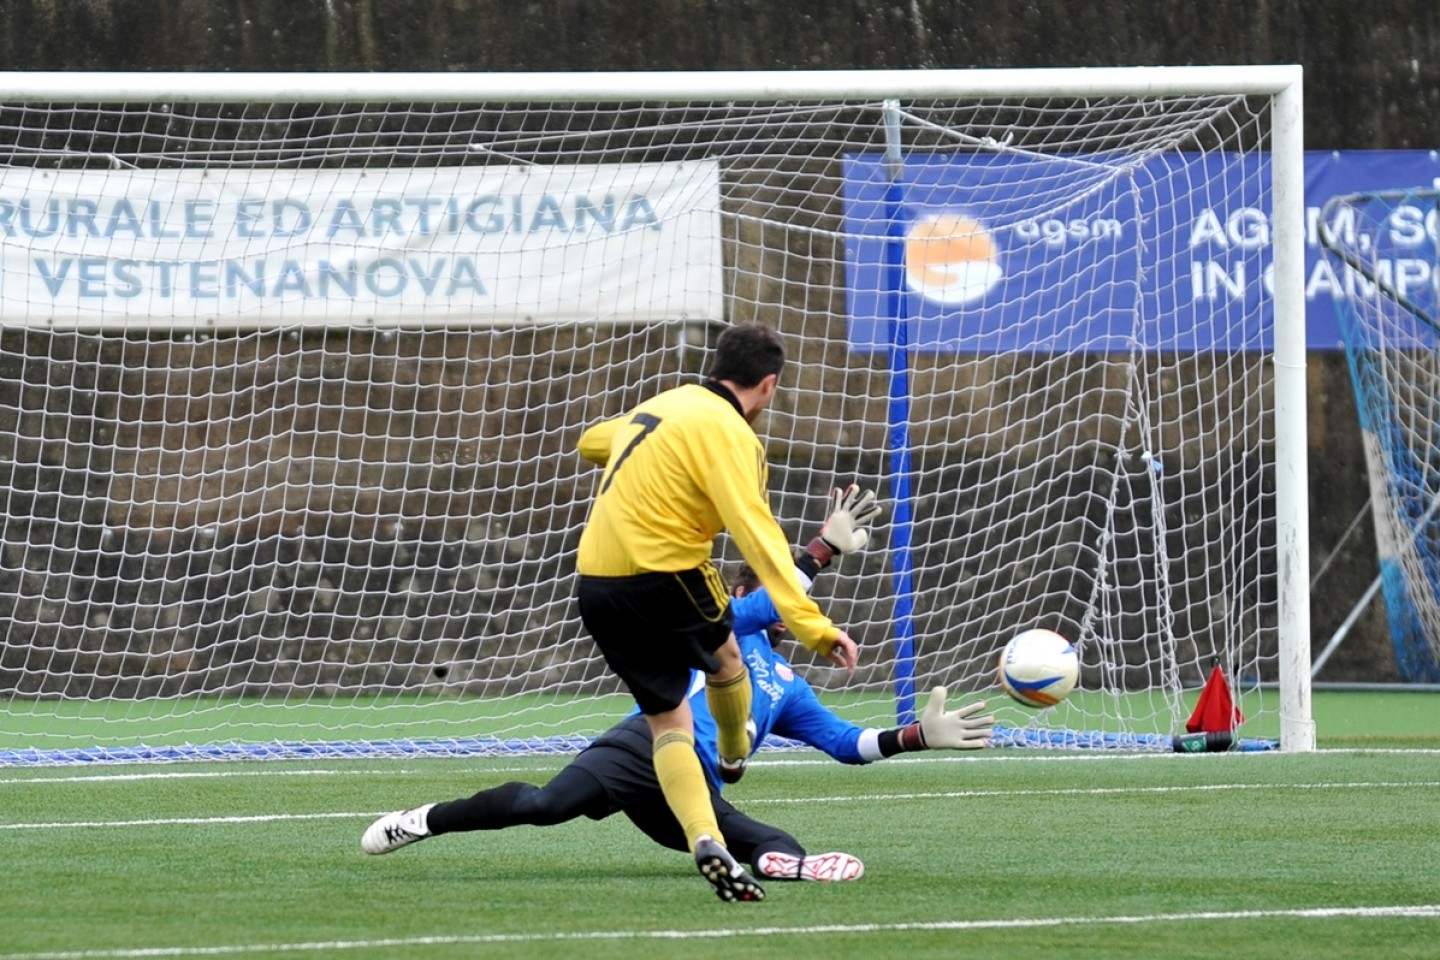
(735, 485)
(937, 729)
(846, 528)
(843, 532)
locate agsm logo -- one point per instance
(951, 259)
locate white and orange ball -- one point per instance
(1038, 668)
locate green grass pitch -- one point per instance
(1002, 854)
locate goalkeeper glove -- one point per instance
(845, 529)
(941, 729)
(851, 510)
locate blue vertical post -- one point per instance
(898, 417)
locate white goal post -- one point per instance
(292, 367)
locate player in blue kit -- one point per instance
(615, 773)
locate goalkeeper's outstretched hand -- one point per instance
(955, 729)
(851, 511)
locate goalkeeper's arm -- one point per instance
(803, 717)
(937, 729)
(846, 530)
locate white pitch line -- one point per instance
(770, 801)
(764, 762)
(190, 775)
(1104, 791)
(1404, 912)
(229, 774)
(765, 759)
(123, 776)
(190, 821)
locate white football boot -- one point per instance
(818, 867)
(396, 830)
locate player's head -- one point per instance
(745, 581)
(750, 356)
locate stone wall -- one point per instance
(1372, 80)
(1373, 70)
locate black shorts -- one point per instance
(654, 628)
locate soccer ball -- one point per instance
(1038, 668)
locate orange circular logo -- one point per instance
(951, 259)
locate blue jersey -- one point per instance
(782, 702)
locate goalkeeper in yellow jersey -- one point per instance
(680, 468)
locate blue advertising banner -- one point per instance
(1062, 253)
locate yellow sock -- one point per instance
(729, 702)
(683, 783)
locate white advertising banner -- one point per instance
(451, 246)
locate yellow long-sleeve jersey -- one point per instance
(681, 467)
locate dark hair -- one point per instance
(747, 578)
(747, 354)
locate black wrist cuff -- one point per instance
(820, 551)
(901, 740)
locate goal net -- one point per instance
(293, 369)
(1384, 247)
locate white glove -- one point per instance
(851, 510)
(954, 729)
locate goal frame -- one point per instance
(1283, 84)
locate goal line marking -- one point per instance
(1417, 911)
(123, 772)
(123, 777)
(773, 801)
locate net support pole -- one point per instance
(898, 418)
(1297, 728)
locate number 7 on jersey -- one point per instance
(648, 422)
